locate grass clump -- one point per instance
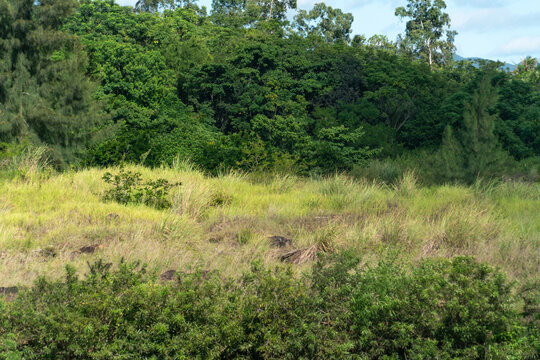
(26, 163)
(244, 236)
(383, 171)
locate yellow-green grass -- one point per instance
(222, 223)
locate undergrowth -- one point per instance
(438, 309)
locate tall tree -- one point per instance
(269, 9)
(229, 13)
(155, 5)
(45, 97)
(151, 5)
(331, 24)
(425, 31)
(477, 150)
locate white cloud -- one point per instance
(478, 3)
(526, 45)
(351, 5)
(493, 19)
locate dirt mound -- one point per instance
(9, 290)
(87, 249)
(168, 275)
(279, 241)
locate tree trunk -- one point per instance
(430, 52)
(271, 8)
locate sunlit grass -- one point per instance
(222, 223)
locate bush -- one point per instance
(440, 309)
(385, 171)
(129, 188)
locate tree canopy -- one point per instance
(242, 86)
(425, 31)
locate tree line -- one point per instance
(243, 85)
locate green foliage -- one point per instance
(45, 97)
(98, 83)
(477, 151)
(530, 293)
(529, 71)
(337, 148)
(519, 110)
(129, 188)
(438, 309)
(424, 32)
(326, 22)
(463, 320)
(269, 9)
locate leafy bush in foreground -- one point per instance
(440, 309)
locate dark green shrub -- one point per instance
(530, 293)
(385, 171)
(129, 188)
(439, 309)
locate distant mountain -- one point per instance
(475, 60)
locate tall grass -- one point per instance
(29, 163)
(223, 222)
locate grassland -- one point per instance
(223, 223)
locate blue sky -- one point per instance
(506, 30)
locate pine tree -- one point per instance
(479, 139)
(450, 159)
(45, 97)
(477, 151)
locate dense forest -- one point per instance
(246, 85)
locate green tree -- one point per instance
(484, 154)
(340, 148)
(425, 30)
(269, 9)
(229, 12)
(476, 152)
(153, 5)
(519, 111)
(324, 21)
(529, 70)
(45, 96)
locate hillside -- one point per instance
(265, 267)
(253, 181)
(506, 66)
(223, 223)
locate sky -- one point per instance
(506, 30)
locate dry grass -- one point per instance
(224, 223)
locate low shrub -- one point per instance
(129, 188)
(439, 309)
